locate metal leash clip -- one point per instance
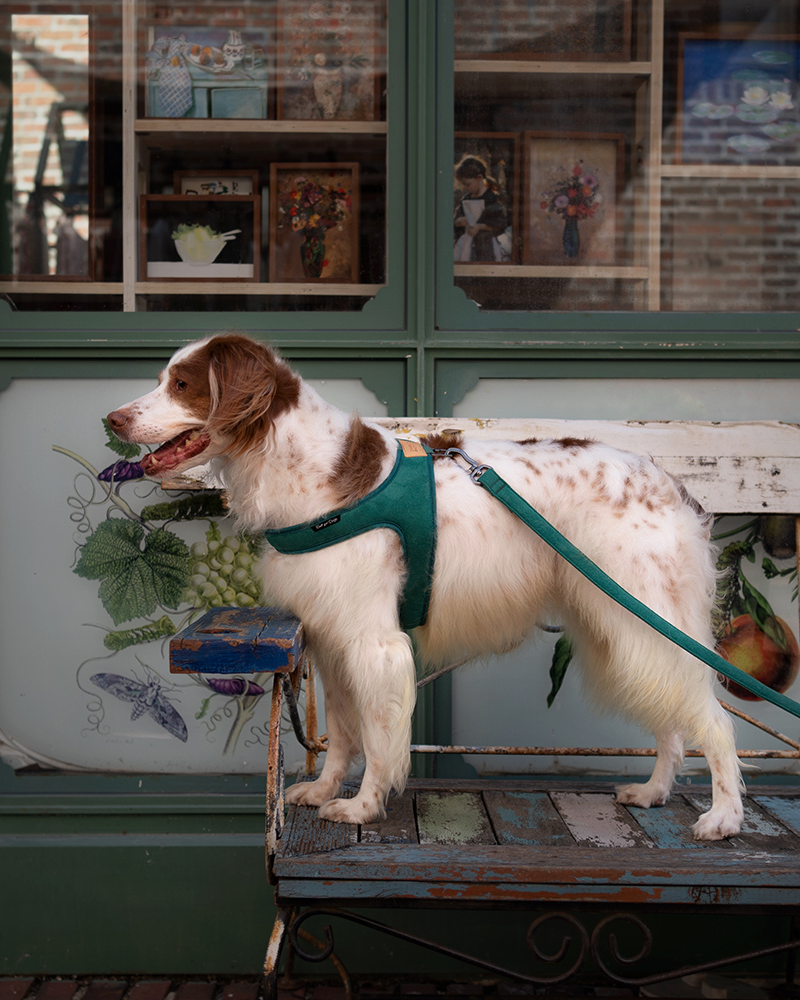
(475, 469)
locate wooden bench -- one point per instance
(558, 847)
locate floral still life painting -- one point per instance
(573, 193)
(314, 222)
(738, 100)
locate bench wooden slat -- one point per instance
(732, 467)
(398, 826)
(238, 641)
(455, 818)
(599, 821)
(526, 818)
(786, 809)
(670, 825)
(760, 831)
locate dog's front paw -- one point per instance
(357, 810)
(717, 824)
(309, 793)
(641, 795)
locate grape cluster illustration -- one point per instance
(222, 571)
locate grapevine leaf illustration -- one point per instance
(135, 578)
(126, 449)
(562, 656)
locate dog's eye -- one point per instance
(180, 385)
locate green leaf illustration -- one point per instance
(760, 610)
(124, 448)
(562, 657)
(201, 504)
(135, 578)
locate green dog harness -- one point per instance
(405, 502)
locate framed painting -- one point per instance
(195, 238)
(493, 157)
(569, 31)
(314, 210)
(215, 182)
(331, 60)
(573, 184)
(738, 97)
(203, 71)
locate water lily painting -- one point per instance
(738, 99)
(573, 185)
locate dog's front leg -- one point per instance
(341, 723)
(381, 671)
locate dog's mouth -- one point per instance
(175, 452)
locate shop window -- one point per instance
(628, 155)
(197, 156)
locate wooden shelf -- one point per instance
(15, 286)
(185, 288)
(516, 271)
(143, 126)
(732, 171)
(525, 66)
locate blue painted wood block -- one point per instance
(238, 641)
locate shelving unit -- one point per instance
(545, 85)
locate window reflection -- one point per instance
(49, 112)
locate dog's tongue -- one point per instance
(174, 452)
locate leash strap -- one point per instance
(405, 502)
(486, 477)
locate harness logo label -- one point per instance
(327, 523)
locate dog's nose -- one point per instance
(117, 420)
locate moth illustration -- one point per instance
(146, 696)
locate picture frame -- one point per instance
(314, 222)
(573, 186)
(196, 255)
(499, 152)
(737, 97)
(570, 31)
(206, 71)
(331, 60)
(215, 183)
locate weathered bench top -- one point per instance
(503, 841)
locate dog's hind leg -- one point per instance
(383, 679)
(724, 818)
(341, 722)
(656, 791)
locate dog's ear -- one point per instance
(250, 388)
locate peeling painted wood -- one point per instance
(455, 818)
(238, 641)
(598, 820)
(732, 467)
(760, 831)
(526, 818)
(670, 825)
(786, 809)
(399, 825)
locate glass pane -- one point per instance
(265, 122)
(60, 216)
(626, 155)
(254, 176)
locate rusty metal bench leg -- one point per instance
(283, 919)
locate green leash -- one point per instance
(486, 477)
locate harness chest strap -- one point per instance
(405, 502)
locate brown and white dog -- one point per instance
(286, 456)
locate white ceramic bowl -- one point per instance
(198, 253)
